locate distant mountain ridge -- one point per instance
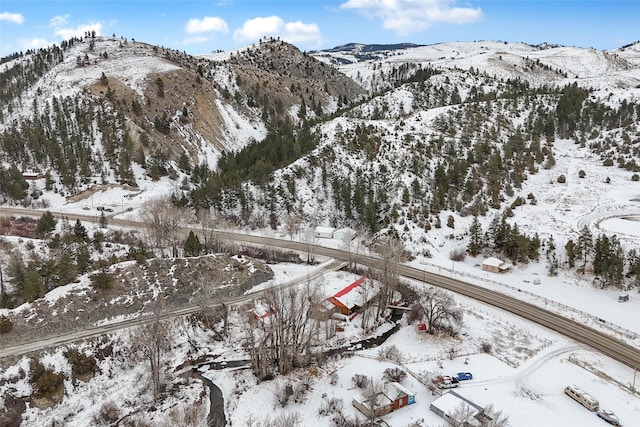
(365, 48)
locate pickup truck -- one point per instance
(462, 376)
(447, 382)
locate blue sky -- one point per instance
(204, 26)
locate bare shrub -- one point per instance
(293, 419)
(45, 382)
(188, 415)
(103, 280)
(360, 381)
(81, 364)
(486, 347)
(287, 420)
(394, 375)
(415, 313)
(458, 254)
(307, 380)
(300, 392)
(6, 325)
(283, 391)
(339, 420)
(390, 352)
(108, 413)
(137, 421)
(330, 407)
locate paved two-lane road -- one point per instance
(606, 344)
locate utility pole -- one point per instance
(2, 287)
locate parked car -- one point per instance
(462, 376)
(609, 417)
(446, 381)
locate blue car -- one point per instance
(462, 376)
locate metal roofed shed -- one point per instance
(451, 402)
(495, 265)
(324, 232)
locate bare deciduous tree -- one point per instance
(464, 415)
(151, 342)
(348, 241)
(392, 251)
(293, 221)
(374, 396)
(163, 221)
(310, 238)
(438, 310)
(461, 416)
(208, 222)
(285, 338)
(497, 418)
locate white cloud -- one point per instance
(411, 16)
(34, 43)
(16, 18)
(207, 24)
(61, 28)
(258, 27)
(299, 32)
(59, 21)
(274, 26)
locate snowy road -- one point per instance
(600, 341)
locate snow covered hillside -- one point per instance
(456, 152)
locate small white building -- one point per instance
(324, 232)
(451, 402)
(495, 265)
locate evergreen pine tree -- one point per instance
(302, 113)
(192, 246)
(66, 269)
(406, 197)
(552, 258)
(103, 220)
(615, 270)
(601, 255)
(584, 246)
(32, 286)
(633, 261)
(46, 224)
(183, 162)
(570, 249)
(80, 232)
(83, 258)
(476, 241)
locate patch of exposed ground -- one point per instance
(177, 283)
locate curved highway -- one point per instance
(606, 344)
